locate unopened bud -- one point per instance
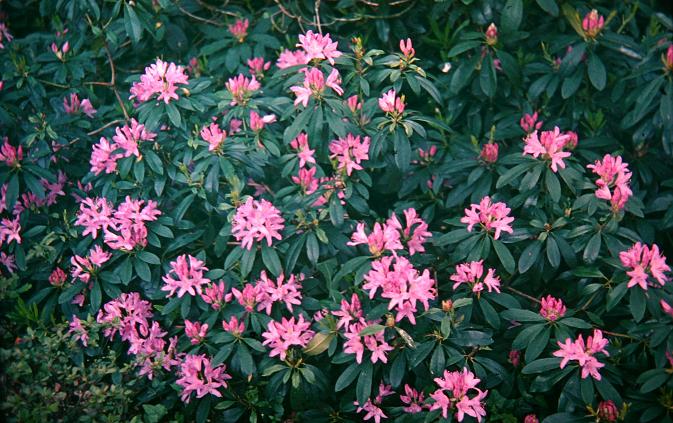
(447, 306)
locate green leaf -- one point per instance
(615, 295)
(489, 313)
(587, 389)
(487, 77)
(364, 387)
(504, 256)
(397, 370)
(173, 115)
(463, 47)
(652, 379)
(271, 260)
(336, 211)
(553, 253)
(96, 297)
(549, 6)
(521, 315)
(512, 173)
(575, 323)
(247, 261)
(512, 14)
(529, 256)
(596, 70)
(593, 248)
(371, 330)
(319, 343)
(402, 151)
(142, 270)
(132, 23)
(637, 303)
(347, 377)
(148, 257)
(553, 185)
(541, 365)
(312, 248)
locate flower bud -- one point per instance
(668, 58)
(515, 357)
(447, 306)
(607, 411)
(489, 153)
(592, 24)
(492, 35)
(531, 418)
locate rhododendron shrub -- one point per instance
(311, 211)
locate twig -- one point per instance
(198, 18)
(102, 128)
(53, 84)
(523, 294)
(215, 9)
(287, 13)
(316, 7)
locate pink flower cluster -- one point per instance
(79, 330)
(666, 58)
(529, 123)
(548, 145)
(388, 236)
(257, 66)
(214, 136)
(239, 29)
(613, 181)
(185, 276)
(401, 284)
(453, 393)
(241, 89)
(552, 308)
(124, 228)
(233, 326)
(159, 78)
(198, 375)
(376, 344)
(583, 353)
(73, 105)
(84, 267)
(128, 315)
(413, 400)
(10, 230)
(471, 274)
(349, 152)
(489, 153)
(266, 292)
(372, 409)
(257, 122)
(593, 23)
(257, 220)
(318, 47)
(391, 104)
(196, 331)
(280, 336)
(490, 216)
(126, 138)
(9, 154)
(289, 58)
(4, 35)
(643, 262)
(314, 85)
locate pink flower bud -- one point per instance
(239, 29)
(407, 48)
(489, 153)
(515, 357)
(592, 24)
(668, 58)
(529, 122)
(57, 277)
(531, 418)
(66, 47)
(552, 308)
(607, 411)
(492, 35)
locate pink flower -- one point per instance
(304, 152)
(186, 275)
(572, 141)
(127, 138)
(373, 411)
(257, 220)
(103, 157)
(74, 105)
(407, 48)
(415, 233)
(280, 291)
(643, 262)
(198, 375)
(159, 78)
(292, 58)
(127, 315)
(4, 35)
(233, 326)
(319, 47)
(9, 261)
(239, 29)
(492, 35)
(9, 230)
(490, 216)
(583, 354)
(196, 331)
(306, 180)
(471, 274)
(350, 313)
(549, 145)
(248, 297)
(80, 332)
(529, 123)
(214, 295)
(514, 357)
(489, 153)
(401, 284)
(383, 237)
(257, 66)
(592, 23)
(613, 182)
(258, 122)
(458, 386)
(60, 52)
(390, 103)
(129, 230)
(607, 411)
(11, 155)
(58, 277)
(413, 400)
(349, 152)
(667, 58)
(241, 89)
(282, 335)
(531, 418)
(214, 136)
(314, 85)
(235, 125)
(666, 307)
(552, 308)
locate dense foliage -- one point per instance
(336, 210)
